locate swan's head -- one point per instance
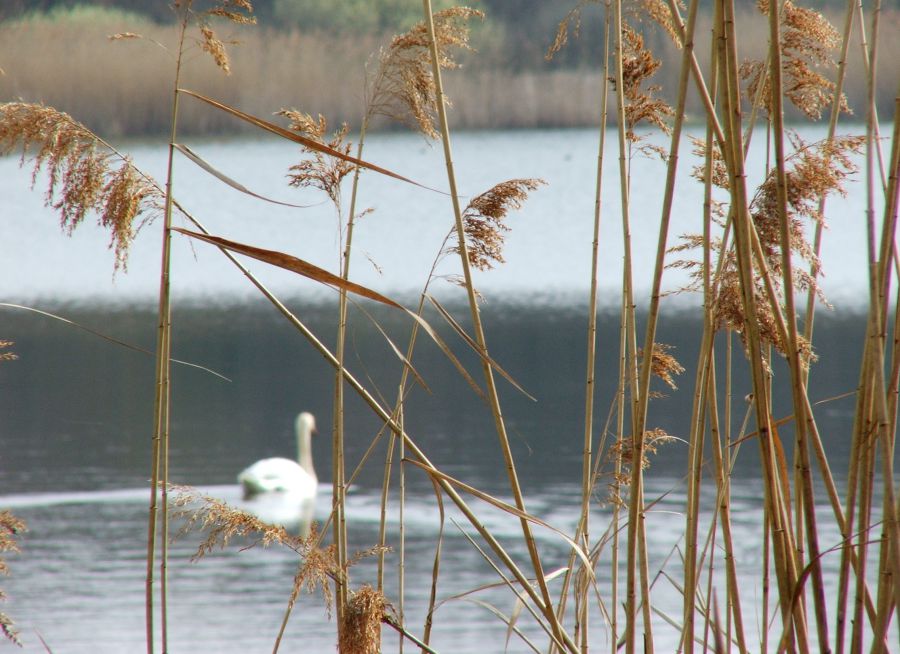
(306, 423)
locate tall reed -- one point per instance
(754, 262)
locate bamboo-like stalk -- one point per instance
(814, 271)
(160, 447)
(782, 549)
(634, 564)
(582, 532)
(591, 358)
(802, 418)
(339, 490)
(493, 397)
(394, 426)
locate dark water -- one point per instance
(75, 459)
(76, 410)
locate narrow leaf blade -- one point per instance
(292, 263)
(199, 161)
(302, 140)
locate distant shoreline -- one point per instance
(123, 88)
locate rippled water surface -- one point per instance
(77, 410)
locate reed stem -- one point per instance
(160, 448)
(478, 329)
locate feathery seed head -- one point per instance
(82, 179)
(807, 43)
(403, 86)
(321, 172)
(7, 356)
(813, 172)
(10, 527)
(483, 220)
(360, 631)
(638, 66)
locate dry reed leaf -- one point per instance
(447, 316)
(288, 262)
(199, 161)
(808, 40)
(105, 337)
(312, 144)
(10, 527)
(483, 220)
(403, 87)
(315, 273)
(503, 506)
(360, 631)
(124, 35)
(82, 172)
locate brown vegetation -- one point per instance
(122, 87)
(754, 254)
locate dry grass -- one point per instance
(483, 220)
(361, 628)
(755, 258)
(85, 176)
(10, 528)
(57, 65)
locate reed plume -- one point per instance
(403, 87)
(362, 617)
(84, 174)
(483, 220)
(621, 454)
(816, 171)
(10, 527)
(807, 42)
(223, 523)
(7, 356)
(570, 25)
(322, 171)
(638, 66)
(663, 365)
(234, 11)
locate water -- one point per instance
(75, 437)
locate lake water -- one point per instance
(75, 434)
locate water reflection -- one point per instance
(79, 579)
(294, 513)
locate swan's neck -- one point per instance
(304, 450)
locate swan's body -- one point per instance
(279, 475)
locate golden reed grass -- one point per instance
(10, 527)
(748, 280)
(121, 88)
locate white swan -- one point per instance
(297, 478)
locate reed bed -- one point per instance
(753, 260)
(69, 64)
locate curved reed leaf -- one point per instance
(193, 156)
(503, 506)
(115, 341)
(312, 144)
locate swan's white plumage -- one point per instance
(280, 475)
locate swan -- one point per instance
(297, 478)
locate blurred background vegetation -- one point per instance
(312, 55)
